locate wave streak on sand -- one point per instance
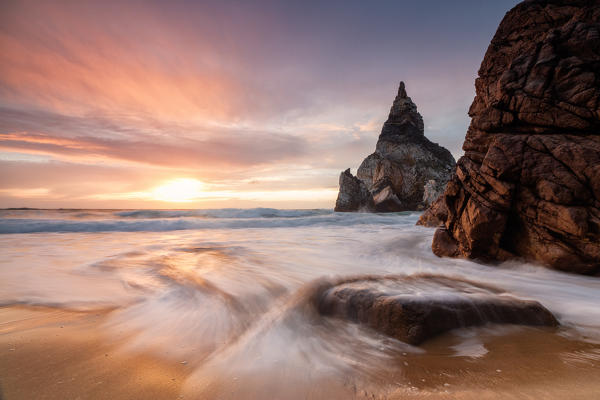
(231, 294)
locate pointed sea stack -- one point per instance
(529, 183)
(406, 172)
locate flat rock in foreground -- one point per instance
(414, 309)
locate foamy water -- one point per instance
(227, 291)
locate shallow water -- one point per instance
(228, 293)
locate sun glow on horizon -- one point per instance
(179, 190)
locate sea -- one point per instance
(227, 292)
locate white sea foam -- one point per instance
(162, 221)
(225, 289)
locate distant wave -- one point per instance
(138, 221)
(222, 213)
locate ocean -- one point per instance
(227, 292)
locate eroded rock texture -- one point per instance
(406, 171)
(353, 194)
(414, 309)
(529, 182)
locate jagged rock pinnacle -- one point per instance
(402, 91)
(404, 111)
(406, 171)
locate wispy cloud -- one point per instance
(214, 151)
(108, 98)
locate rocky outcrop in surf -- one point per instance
(529, 182)
(353, 194)
(414, 309)
(406, 171)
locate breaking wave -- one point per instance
(223, 213)
(162, 221)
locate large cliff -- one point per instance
(406, 171)
(529, 182)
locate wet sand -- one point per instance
(520, 363)
(48, 353)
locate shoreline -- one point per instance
(50, 353)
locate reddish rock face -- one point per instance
(529, 182)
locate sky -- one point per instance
(210, 104)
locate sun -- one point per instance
(179, 190)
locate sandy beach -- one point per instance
(55, 354)
(49, 353)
